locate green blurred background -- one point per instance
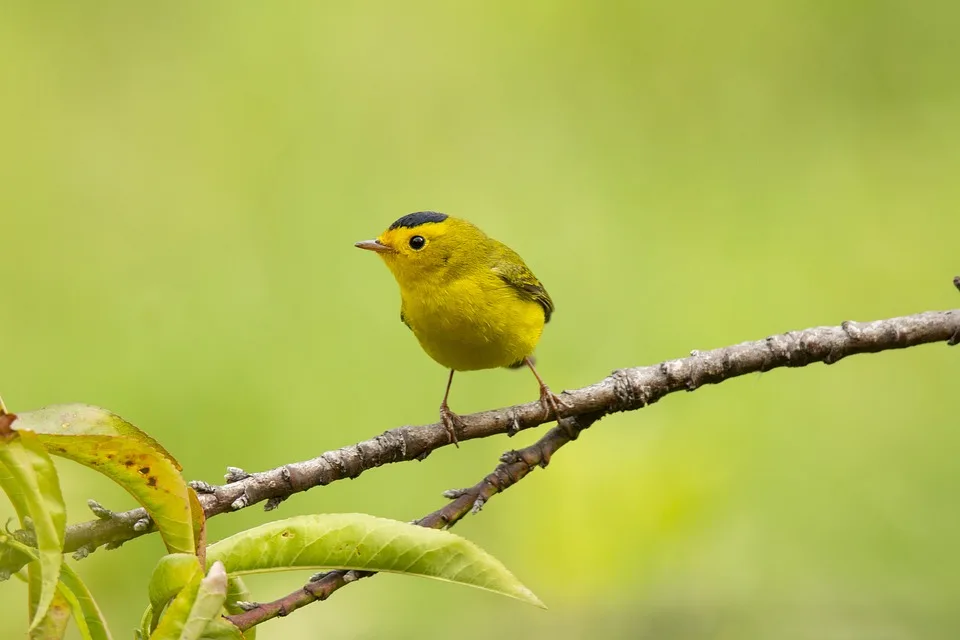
(182, 184)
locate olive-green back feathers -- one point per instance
(512, 270)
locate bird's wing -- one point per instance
(512, 270)
(403, 319)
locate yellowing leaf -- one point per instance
(31, 481)
(85, 420)
(105, 442)
(199, 521)
(358, 541)
(53, 625)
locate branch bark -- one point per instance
(623, 390)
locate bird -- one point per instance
(470, 300)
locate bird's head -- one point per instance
(427, 247)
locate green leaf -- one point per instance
(10, 557)
(146, 624)
(220, 629)
(171, 575)
(14, 492)
(12, 562)
(107, 443)
(89, 618)
(33, 483)
(175, 617)
(71, 588)
(236, 592)
(358, 541)
(209, 602)
(196, 610)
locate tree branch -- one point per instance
(825, 344)
(513, 467)
(624, 390)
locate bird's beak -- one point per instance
(374, 245)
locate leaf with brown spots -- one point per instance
(109, 444)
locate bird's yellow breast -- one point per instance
(476, 322)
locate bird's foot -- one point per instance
(451, 422)
(551, 403)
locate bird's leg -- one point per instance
(550, 402)
(450, 420)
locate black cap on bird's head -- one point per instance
(412, 220)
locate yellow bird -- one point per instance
(470, 300)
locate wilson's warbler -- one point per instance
(470, 300)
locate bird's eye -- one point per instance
(417, 242)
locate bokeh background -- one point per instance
(182, 184)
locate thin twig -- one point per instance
(513, 467)
(624, 390)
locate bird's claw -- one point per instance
(551, 403)
(451, 422)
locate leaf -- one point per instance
(34, 588)
(199, 521)
(172, 574)
(71, 588)
(208, 603)
(221, 629)
(85, 420)
(196, 610)
(237, 592)
(10, 557)
(14, 491)
(53, 625)
(33, 484)
(146, 624)
(107, 443)
(12, 562)
(89, 618)
(358, 541)
(175, 617)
